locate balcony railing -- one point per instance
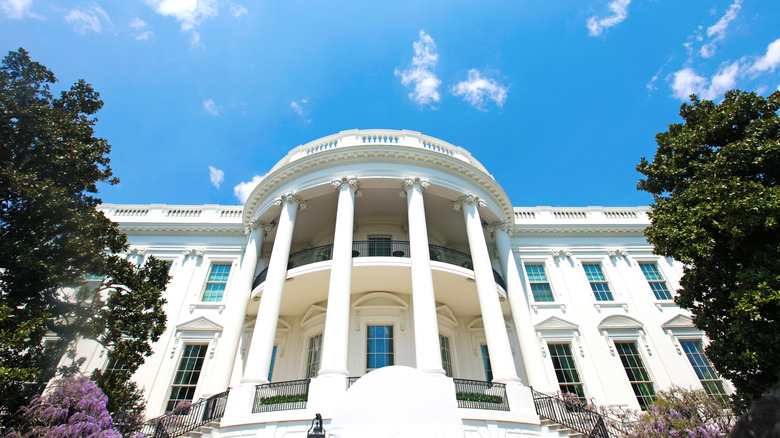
(281, 396)
(378, 248)
(186, 418)
(478, 394)
(570, 414)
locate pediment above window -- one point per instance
(679, 322)
(201, 324)
(380, 301)
(620, 322)
(556, 323)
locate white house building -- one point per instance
(384, 280)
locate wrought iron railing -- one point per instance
(570, 414)
(478, 394)
(186, 418)
(378, 248)
(281, 396)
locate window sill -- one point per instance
(661, 304)
(204, 305)
(548, 305)
(610, 305)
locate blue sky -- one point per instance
(558, 99)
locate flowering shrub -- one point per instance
(683, 413)
(72, 407)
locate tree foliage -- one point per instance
(714, 181)
(52, 238)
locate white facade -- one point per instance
(409, 241)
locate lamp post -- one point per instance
(316, 430)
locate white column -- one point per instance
(335, 338)
(259, 358)
(237, 299)
(495, 330)
(533, 361)
(426, 326)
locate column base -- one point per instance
(325, 393)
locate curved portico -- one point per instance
(393, 213)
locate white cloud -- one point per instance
(194, 39)
(619, 8)
(237, 10)
(17, 9)
(478, 90)
(210, 107)
(244, 189)
(426, 84)
(300, 110)
(769, 61)
(84, 20)
(216, 176)
(145, 36)
(717, 31)
(137, 23)
(189, 13)
(687, 82)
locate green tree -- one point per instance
(714, 181)
(52, 238)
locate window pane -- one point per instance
(598, 283)
(273, 360)
(446, 357)
(315, 354)
(656, 281)
(636, 372)
(566, 370)
(540, 286)
(379, 347)
(186, 379)
(486, 363)
(216, 282)
(704, 370)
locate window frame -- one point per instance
(580, 383)
(206, 282)
(643, 404)
(393, 345)
(308, 372)
(487, 365)
(177, 368)
(724, 395)
(662, 281)
(530, 283)
(606, 281)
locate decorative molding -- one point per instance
(620, 322)
(352, 182)
(643, 337)
(176, 342)
(199, 253)
(675, 342)
(610, 344)
(410, 182)
(500, 226)
(214, 345)
(256, 224)
(468, 199)
(563, 253)
(541, 344)
(556, 323)
(579, 343)
(290, 198)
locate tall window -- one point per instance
(446, 355)
(486, 363)
(379, 246)
(656, 282)
(315, 355)
(273, 361)
(598, 283)
(709, 380)
(566, 370)
(115, 365)
(379, 347)
(187, 375)
(637, 374)
(215, 284)
(540, 286)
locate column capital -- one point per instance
(410, 182)
(351, 181)
(468, 199)
(256, 224)
(499, 226)
(291, 198)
